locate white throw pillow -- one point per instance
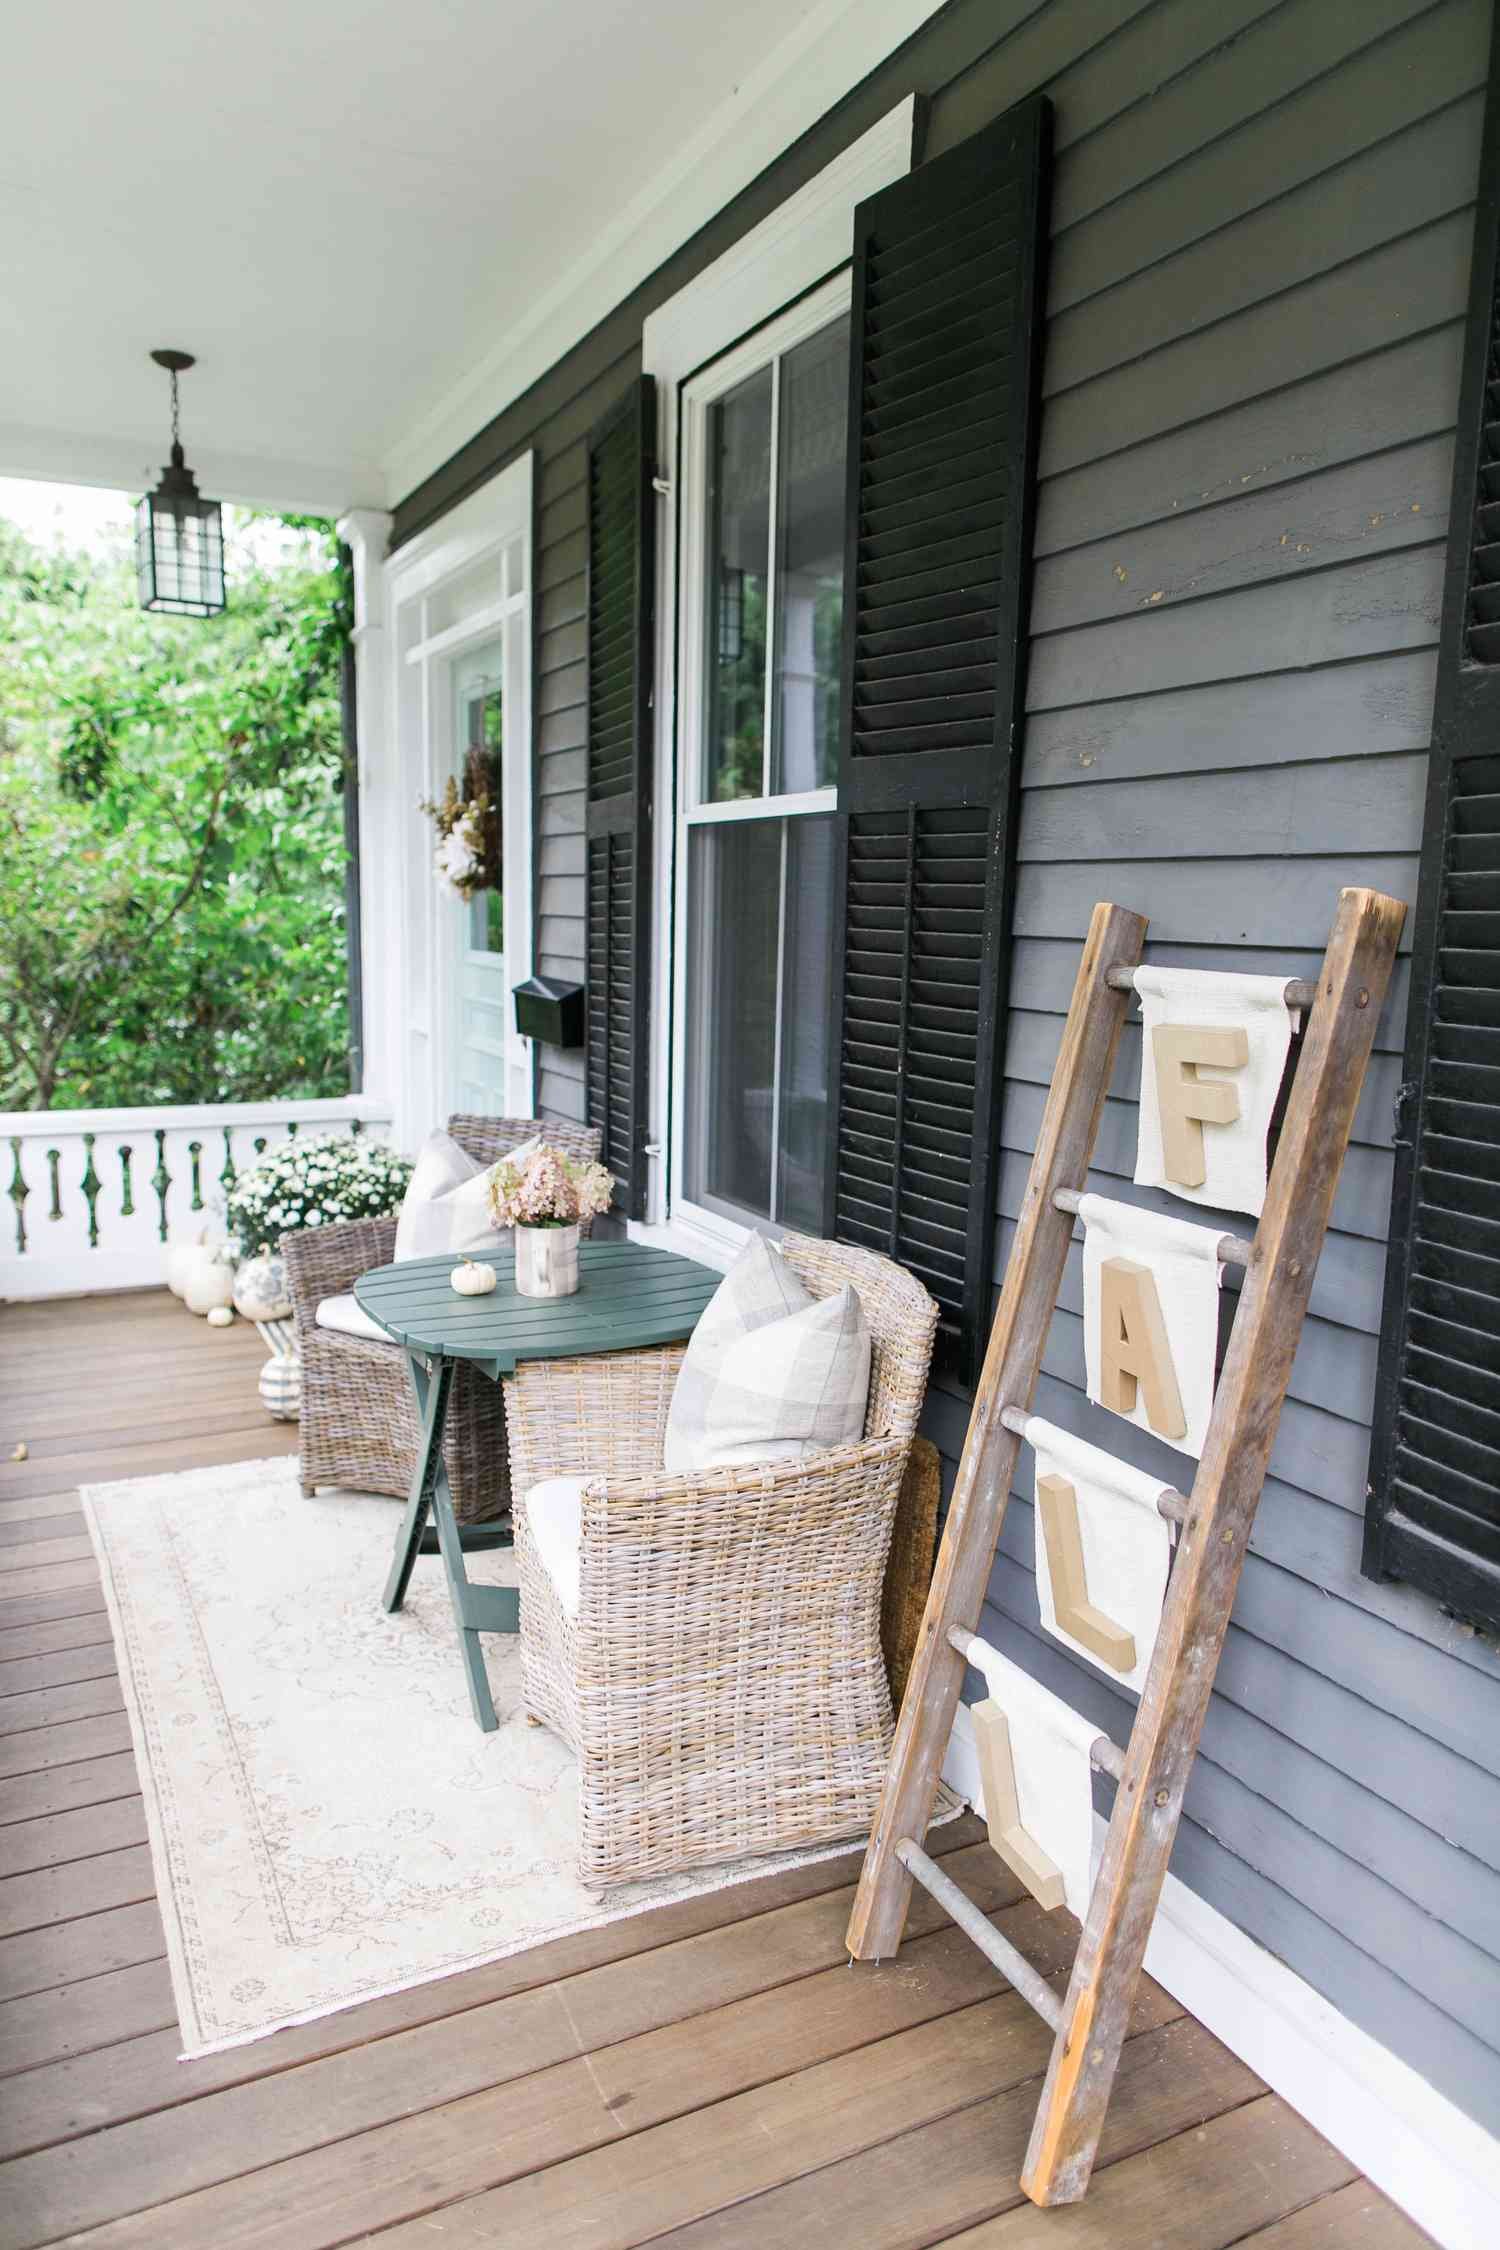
(347, 1317)
(447, 1203)
(772, 1373)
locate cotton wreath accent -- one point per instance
(463, 828)
(312, 1181)
(548, 1189)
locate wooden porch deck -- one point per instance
(711, 2074)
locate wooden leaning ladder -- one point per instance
(1215, 1519)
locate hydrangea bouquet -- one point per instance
(548, 1189)
(311, 1183)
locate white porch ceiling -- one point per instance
(373, 223)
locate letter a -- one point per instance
(1134, 1348)
(1185, 1102)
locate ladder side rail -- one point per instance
(1012, 1359)
(1247, 1408)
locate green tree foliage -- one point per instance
(171, 834)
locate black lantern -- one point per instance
(179, 536)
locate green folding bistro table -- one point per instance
(628, 1297)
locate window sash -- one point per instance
(821, 307)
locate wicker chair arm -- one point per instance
(327, 1261)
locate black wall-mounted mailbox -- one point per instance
(549, 1010)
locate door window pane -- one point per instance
(810, 560)
(739, 545)
(482, 739)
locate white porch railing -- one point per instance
(96, 1195)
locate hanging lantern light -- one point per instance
(179, 536)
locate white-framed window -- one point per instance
(760, 591)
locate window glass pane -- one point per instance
(734, 893)
(810, 560)
(739, 503)
(482, 730)
(806, 1012)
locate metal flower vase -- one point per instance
(547, 1261)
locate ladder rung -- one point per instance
(1231, 1250)
(1173, 1505)
(1298, 992)
(1106, 1755)
(1013, 1966)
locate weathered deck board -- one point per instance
(710, 2073)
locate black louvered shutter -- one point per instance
(942, 432)
(621, 586)
(1434, 1502)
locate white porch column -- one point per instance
(366, 532)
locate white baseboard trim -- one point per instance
(1439, 2166)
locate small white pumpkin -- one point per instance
(207, 1281)
(220, 1316)
(471, 1279)
(260, 1288)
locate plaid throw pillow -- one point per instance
(772, 1373)
(447, 1202)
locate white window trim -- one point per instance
(807, 239)
(416, 993)
(770, 342)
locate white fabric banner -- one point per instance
(1172, 1310)
(1126, 1550)
(1211, 1147)
(1049, 1747)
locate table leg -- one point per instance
(476, 1609)
(432, 1404)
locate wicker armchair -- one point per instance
(359, 1418)
(722, 1681)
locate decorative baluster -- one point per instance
(195, 1151)
(260, 1144)
(91, 1184)
(127, 1200)
(54, 1161)
(161, 1180)
(18, 1192)
(356, 1127)
(291, 1132)
(228, 1174)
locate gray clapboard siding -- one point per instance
(1373, 706)
(1373, 805)
(1326, 518)
(1403, 74)
(1414, 179)
(1382, 602)
(1417, 282)
(1319, 421)
(1196, 902)
(1207, 92)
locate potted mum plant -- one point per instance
(544, 1197)
(311, 1181)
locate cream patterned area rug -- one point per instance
(327, 1822)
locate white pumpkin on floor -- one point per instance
(207, 1280)
(179, 1257)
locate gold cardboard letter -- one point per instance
(1185, 1102)
(1002, 1810)
(1057, 1506)
(1134, 1348)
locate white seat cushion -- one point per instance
(554, 1510)
(772, 1373)
(447, 1201)
(348, 1318)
